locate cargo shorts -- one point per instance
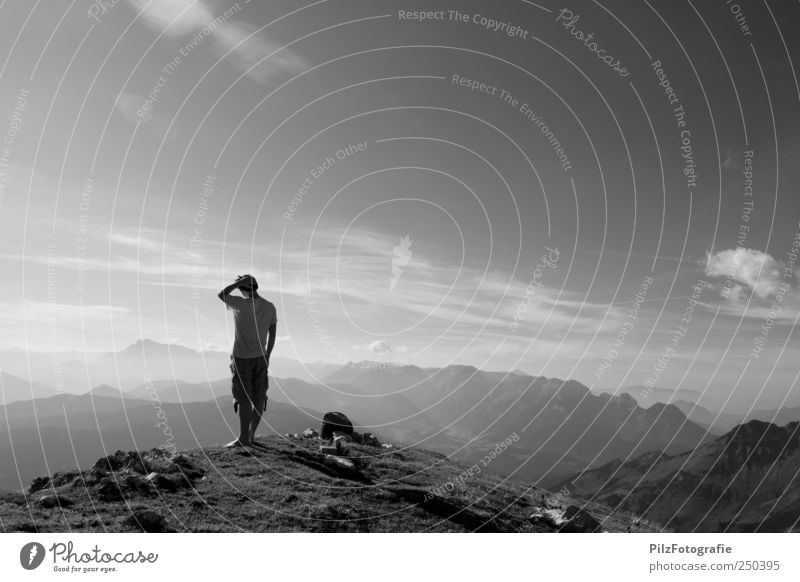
(249, 380)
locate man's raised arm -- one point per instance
(227, 291)
(241, 280)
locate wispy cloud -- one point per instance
(44, 312)
(137, 242)
(447, 303)
(177, 16)
(260, 56)
(381, 347)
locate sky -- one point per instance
(603, 191)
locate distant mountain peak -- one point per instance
(663, 410)
(762, 432)
(151, 347)
(626, 399)
(457, 370)
(146, 343)
(105, 390)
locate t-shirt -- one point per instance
(253, 318)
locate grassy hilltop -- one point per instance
(286, 485)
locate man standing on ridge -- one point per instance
(256, 320)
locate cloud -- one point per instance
(136, 242)
(250, 50)
(731, 161)
(753, 284)
(45, 312)
(176, 16)
(745, 271)
(466, 304)
(129, 105)
(236, 41)
(381, 347)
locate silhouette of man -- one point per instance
(256, 320)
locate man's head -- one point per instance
(248, 286)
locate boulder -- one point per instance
(38, 484)
(165, 482)
(50, 501)
(113, 462)
(335, 422)
(160, 466)
(138, 466)
(370, 440)
(78, 483)
(64, 477)
(136, 481)
(147, 520)
(109, 490)
(97, 474)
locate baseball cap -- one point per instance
(253, 285)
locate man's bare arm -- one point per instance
(271, 340)
(227, 291)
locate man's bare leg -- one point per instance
(258, 411)
(245, 417)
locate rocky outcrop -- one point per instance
(573, 519)
(118, 476)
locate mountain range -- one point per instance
(743, 481)
(143, 361)
(553, 430)
(13, 388)
(561, 425)
(555, 427)
(646, 397)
